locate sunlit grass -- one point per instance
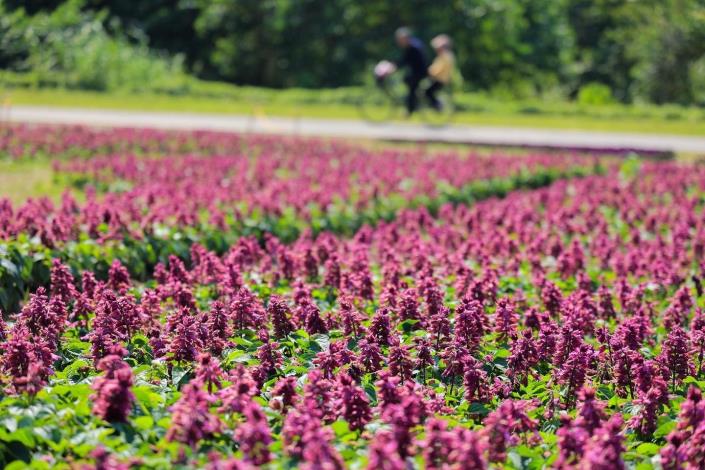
(22, 179)
(303, 103)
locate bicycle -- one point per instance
(384, 100)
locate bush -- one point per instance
(72, 48)
(595, 94)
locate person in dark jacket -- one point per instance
(414, 61)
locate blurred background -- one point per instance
(520, 59)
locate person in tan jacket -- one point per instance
(441, 69)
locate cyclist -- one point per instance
(414, 60)
(441, 70)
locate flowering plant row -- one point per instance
(556, 327)
(325, 185)
(23, 141)
(143, 209)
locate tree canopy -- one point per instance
(651, 49)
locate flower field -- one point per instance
(204, 300)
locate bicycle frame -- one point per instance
(391, 87)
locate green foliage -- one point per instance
(630, 168)
(496, 42)
(72, 48)
(669, 47)
(595, 94)
(647, 50)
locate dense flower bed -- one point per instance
(20, 141)
(167, 190)
(224, 179)
(556, 327)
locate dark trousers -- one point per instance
(412, 82)
(431, 91)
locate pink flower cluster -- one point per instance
(20, 141)
(231, 177)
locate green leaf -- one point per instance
(9, 266)
(144, 422)
(665, 429)
(23, 435)
(407, 326)
(647, 448)
(164, 422)
(515, 459)
(16, 465)
(179, 375)
(10, 423)
(502, 354)
(237, 356)
(478, 408)
(630, 168)
(322, 341)
(147, 397)
(340, 427)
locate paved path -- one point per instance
(359, 129)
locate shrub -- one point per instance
(73, 48)
(595, 94)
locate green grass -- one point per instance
(478, 109)
(22, 179)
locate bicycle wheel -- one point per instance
(443, 115)
(376, 104)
